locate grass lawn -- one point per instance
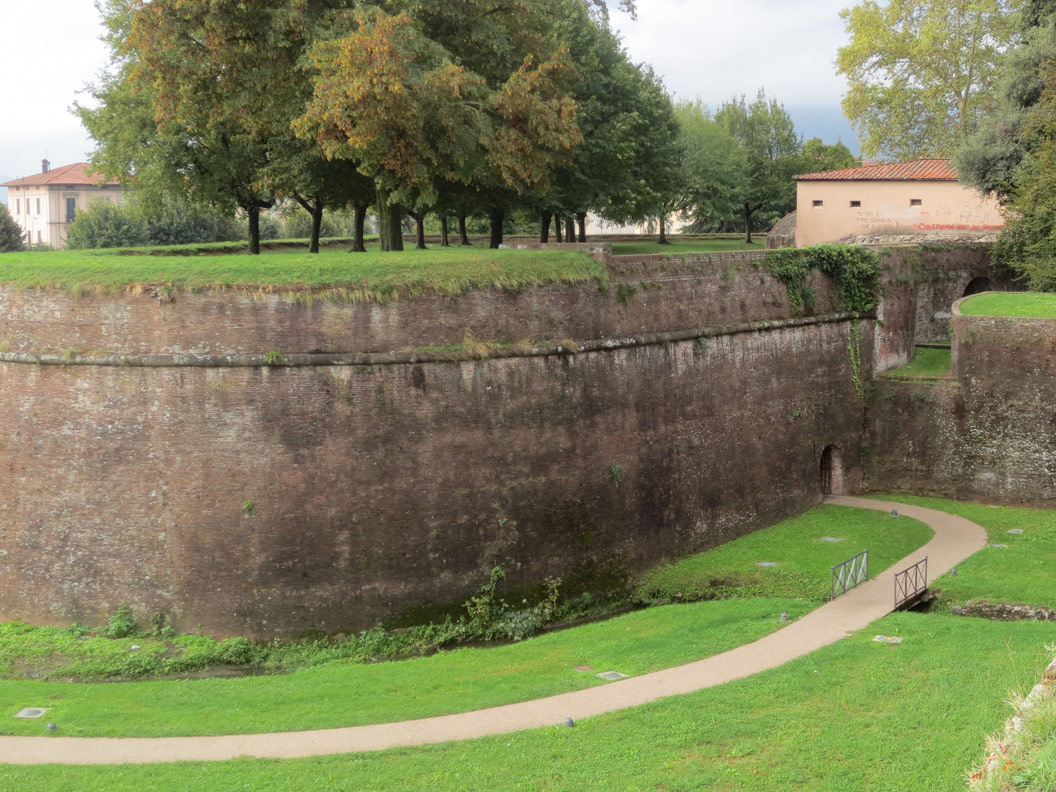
(1023, 573)
(927, 364)
(804, 560)
(345, 693)
(1011, 304)
(679, 247)
(853, 717)
(362, 275)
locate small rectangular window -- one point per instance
(914, 202)
(40, 237)
(71, 209)
(819, 203)
(38, 206)
(18, 206)
(855, 204)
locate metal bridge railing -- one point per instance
(911, 583)
(850, 574)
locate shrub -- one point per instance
(10, 232)
(105, 225)
(122, 624)
(176, 224)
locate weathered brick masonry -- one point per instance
(920, 286)
(987, 434)
(149, 455)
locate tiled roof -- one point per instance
(914, 170)
(80, 174)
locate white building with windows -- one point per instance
(45, 203)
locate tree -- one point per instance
(395, 93)
(771, 147)
(1028, 241)
(10, 232)
(198, 94)
(715, 168)
(989, 158)
(922, 72)
(625, 167)
(817, 156)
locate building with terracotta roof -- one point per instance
(917, 198)
(45, 203)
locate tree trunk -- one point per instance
(419, 226)
(570, 231)
(747, 224)
(581, 218)
(544, 234)
(358, 245)
(254, 229)
(390, 221)
(559, 229)
(496, 217)
(462, 235)
(317, 227)
(445, 240)
(663, 229)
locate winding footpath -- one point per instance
(955, 540)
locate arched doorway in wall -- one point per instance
(977, 286)
(830, 471)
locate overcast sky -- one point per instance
(713, 49)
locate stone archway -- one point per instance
(830, 472)
(977, 286)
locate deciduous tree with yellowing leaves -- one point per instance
(413, 114)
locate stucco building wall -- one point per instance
(886, 207)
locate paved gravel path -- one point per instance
(955, 540)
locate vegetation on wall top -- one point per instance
(1017, 304)
(369, 277)
(855, 270)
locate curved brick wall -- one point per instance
(989, 432)
(645, 294)
(385, 481)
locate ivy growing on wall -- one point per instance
(855, 270)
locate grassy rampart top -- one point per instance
(1014, 304)
(378, 275)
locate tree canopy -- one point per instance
(771, 149)
(1028, 242)
(334, 102)
(990, 158)
(468, 108)
(10, 232)
(922, 73)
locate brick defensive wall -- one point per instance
(264, 463)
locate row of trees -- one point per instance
(454, 107)
(406, 105)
